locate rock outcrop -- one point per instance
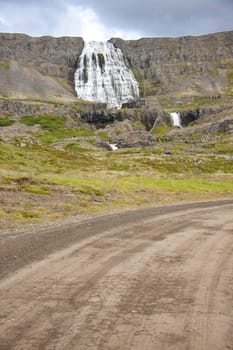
(181, 66)
(126, 134)
(192, 65)
(100, 118)
(38, 67)
(204, 114)
(54, 57)
(20, 108)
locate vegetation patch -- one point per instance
(55, 128)
(2, 214)
(169, 104)
(82, 178)
(230, 77)
(46, 122)
(37, 189)
(161, 130)
(103, 134)
(91, 190)
(29, 215)
(5, 65)
(6, 122)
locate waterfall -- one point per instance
(103, 75)
(113, 146)
(176, 119)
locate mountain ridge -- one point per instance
(204, 61)
(201, 60)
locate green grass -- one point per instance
(5, 65)
(36, 189)
(169, 105)
(2, 214)
(83, 178)
(39, 159)
(230, 76)
(177, 185)
(230, 82)
(77, 149)
(130, 183)
(91, 190)
(29, 215)
(6, 122)
(161, 130)
(55, 128)
(103, 134)
(47, 122)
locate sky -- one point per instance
(127, 19)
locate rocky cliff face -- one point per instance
(185, 65)
(50, 56)
(38, 67)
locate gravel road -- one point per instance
(150, 279)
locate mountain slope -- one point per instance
(182, 66)
(41, 67)
(20, 81)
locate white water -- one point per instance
(113, 146)
(176, 119)
(103, 76)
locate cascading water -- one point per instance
(176, 119)
(103, 75)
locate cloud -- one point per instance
(102, 19)
(60, 19)
(80, 21)
(166, 17)
(84, 22)
(30, 19)
(3, 22)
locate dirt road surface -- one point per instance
(152, 279)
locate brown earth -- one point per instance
(159, 278)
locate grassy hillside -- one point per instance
(53, 170)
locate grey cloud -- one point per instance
(149, 17)
(32, 17)
(166, 17)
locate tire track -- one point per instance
(155, 283)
